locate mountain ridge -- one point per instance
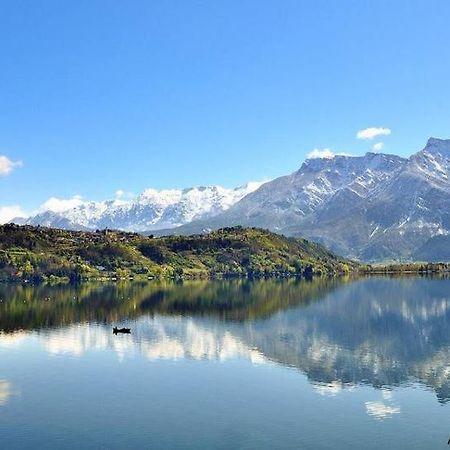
(152, 209)
(372, 207)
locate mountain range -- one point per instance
(151, 210)
(373, 207)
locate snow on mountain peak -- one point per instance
(436, 143)
(433, 162)
(152, 209)
(162, 197)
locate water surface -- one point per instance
(321, 364)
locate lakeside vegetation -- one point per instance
(40, 254)
(36, 254)
(406, 268)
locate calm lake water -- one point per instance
(326, 364)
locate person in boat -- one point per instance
(121, 330)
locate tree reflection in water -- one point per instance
(339, 332)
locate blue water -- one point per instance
(327, 364)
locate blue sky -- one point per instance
(97, 96)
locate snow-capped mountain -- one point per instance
(152, 209)
(371, 207)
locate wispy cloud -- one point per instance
(121, 194)
(58, 205)
(324, 153)
(372, 132)
(10, 212)
(378, 147)
(7, 166)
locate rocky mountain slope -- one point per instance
(373, 207)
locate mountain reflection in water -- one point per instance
(381, 332)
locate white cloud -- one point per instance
(59, 205)
(324, 153)
(10, 212)
(121, 194)
(320, 153)
(372, 132)
(378, 147)
(7, 166)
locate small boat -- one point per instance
(121, 330)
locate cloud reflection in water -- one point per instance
(5, 391)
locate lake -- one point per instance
(322, 364)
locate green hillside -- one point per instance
(37, 254)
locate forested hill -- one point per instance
(38, 253)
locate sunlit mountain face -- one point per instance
(374, 207)
(380, 332)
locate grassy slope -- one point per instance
(39, 253)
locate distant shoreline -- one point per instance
(407, 268)
(363, 272)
